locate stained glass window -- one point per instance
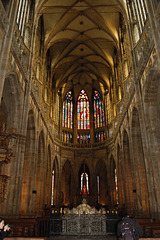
(100, 136)
(84, 183)
(83, 138)
(57, 111)
(67, 120)
(67, 137)
(98, 111)
(52, 190)
(83, 121)
(116, 184)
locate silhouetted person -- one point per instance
(4, 229)
(129, 229)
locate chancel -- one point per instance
(79, 116)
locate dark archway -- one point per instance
(101, 185)
(67, 185)
(113, 193)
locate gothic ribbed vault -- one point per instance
(81, 38)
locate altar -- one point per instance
(83, 220)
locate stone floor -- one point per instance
(59, 238)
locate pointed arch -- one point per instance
(112, 179)
(84, 178)
(67, 184)
(12, 94)
(101, 183)
(54, 182)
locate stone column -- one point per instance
(9, 27)
(154, 19)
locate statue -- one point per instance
(2, 128)
(84, 190)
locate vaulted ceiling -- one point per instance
(81, 37)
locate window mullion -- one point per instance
(143, 10)
(140, 13)
(145, 7)
(24, 17)
(19, 10)
(21, 17)
(137, 17)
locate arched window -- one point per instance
(84, 176)
(98, 111)
(24, 8)
(52, 190)
(67, 120)
(139, 16)
(83, 111)
(84, 183)
(116, 185)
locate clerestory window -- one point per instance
(99, 120)
(67, 119)
(23, 14)
(98, 111)
(83, 121)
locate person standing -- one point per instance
(129, 229)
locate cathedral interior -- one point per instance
(79, 111)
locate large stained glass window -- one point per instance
(67, 120)
(98, 111)
(83, 121)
